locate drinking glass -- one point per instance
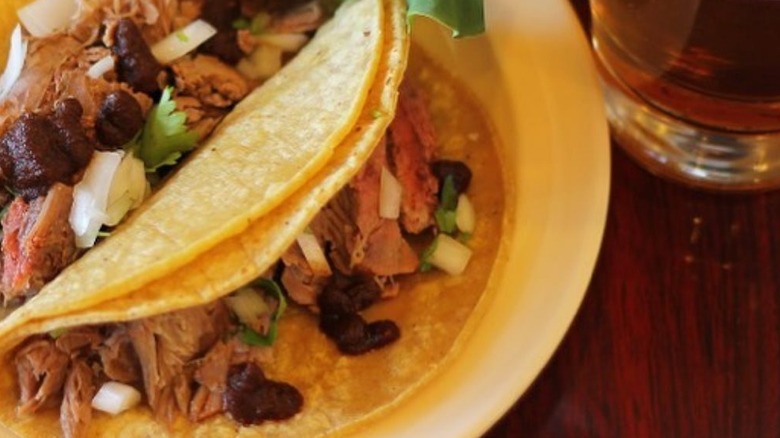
(693, 87)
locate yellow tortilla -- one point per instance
(274, 141)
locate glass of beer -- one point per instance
(693, 87)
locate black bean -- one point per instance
(251, 399)
(31, 156)
(119, 119)
(461, 174)
(223, 45)
(354, 336)
(136, 65)
(351, 299)
(221, 13)
(67, 119)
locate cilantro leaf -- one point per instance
(425, 257)
(449, 196)
(464, 17)
(445, 220)
(251, 337)
(165, 135)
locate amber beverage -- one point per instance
(693, 86)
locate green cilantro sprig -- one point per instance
(251, 337)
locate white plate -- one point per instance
(534, 74)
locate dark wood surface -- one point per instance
(679, 333)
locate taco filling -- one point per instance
(102, 97)
(208, 360)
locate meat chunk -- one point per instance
(164, 345)
(209, 80)
(200, 119)
(73, 341)
(412, 146)
(119, 360)
(135, 65)
(41, 369)
(304, 18)
(299, 281)
(76, 408)
(212, 377)
(38, 242)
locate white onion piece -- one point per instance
(390, 192)
(465, 217)
(44, 17)
(248, 306)
(103, 66)
(314, 255)
(16, 57)
(182, 41)
(90, 197)
(288, 42)
(115, 397)
(128, 188)
(450, 255)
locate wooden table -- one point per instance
(679, 333)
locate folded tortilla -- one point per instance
(340, 392)
(272, 143)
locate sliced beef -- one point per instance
(412, 145)
(119, 360)
(166, 343)
(210, 81)
(41, 369)
(76, 408)
(119, 119)
(38, 242)
(135, 63)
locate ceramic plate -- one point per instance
(534, 75)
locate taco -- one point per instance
(102, 97)
(203, 354)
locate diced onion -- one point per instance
(465, 217)
(288, 42)
(44, 17)
(103, 66)
(115, 397)
(314, 255)
(128, 189)
(183, 41)
(263, 63)
(16, 57)
(248, 306)
(450, 255)
(90, 197)
(390, 192)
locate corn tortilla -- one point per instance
(261, 154)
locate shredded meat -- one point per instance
(74, 340)
(41, 369)
(299, 281)
(76, 408)
(200, 119)
(412, 148)
(119, 360)
(212, 377)
(38, 242)
(210, 81)
(304, 18)
(166, 343)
